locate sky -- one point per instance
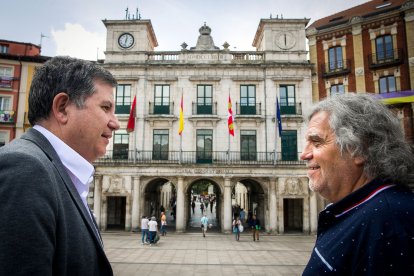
(75, 28)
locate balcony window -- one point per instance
(121, 144)
(5, 103)
(386, 84)
(123, 99)
(2, 138)
(248, 149)
(335, 58)
(287, 99)
(247, 99)
(4, 49)
(160, 145)
(162, 99)
(204, 152)
(289, 145)
(204, 99)
(384, 48)
(337, 89)
(6, 77)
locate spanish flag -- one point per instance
(181, 127)
(230, 119)
(132, 115)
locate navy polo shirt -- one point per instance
(369, 232)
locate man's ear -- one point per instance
(59, 105)
(359, 160)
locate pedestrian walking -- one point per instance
(144, 230)
(242, 216)
(236, 228)
(193, 206)
(255, 225)
(204, 225)
(202, 207)
(153, 227)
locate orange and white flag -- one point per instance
(230, 118)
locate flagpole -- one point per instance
(276, 133)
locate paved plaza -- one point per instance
(217, 254)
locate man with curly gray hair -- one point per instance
(359, 161)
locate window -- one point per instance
(247, 99)
(160, 144)
(248, 149)
(4, 49)
(2, 138)
(204, 152)
(287, 99)
(289, 145)
(162, 99)
(204, 99)
(6, 77)
(384, 48)
(123, 99)
(121, 144)
(5, 103)
(387, 84)
(337, 89)
(335, 58)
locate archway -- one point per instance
(160, 196)
(247, 200)
(207, 194)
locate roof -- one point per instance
(365, 10)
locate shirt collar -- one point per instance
(72, 160)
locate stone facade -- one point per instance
(129, 179)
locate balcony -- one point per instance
(295, 109)
(7, 116)
(161, 109)
(386, 58)
(336, 68)
(193, 157)
(245, 109)
(7, 82)
(204, 109)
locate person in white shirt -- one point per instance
(204, 225)
(152, 225)
(144, 230)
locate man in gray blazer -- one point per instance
(46, 225)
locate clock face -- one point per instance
(285, 40)
(125, 40)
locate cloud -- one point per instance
(75, 41)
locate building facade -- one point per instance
(367, 49)
(201, 80)
(17, 64)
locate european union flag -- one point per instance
(278, 119)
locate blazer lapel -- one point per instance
(37, 138)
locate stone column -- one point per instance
(180, 206)
(135, 202)
(97, 199)
(272, 206)
(313, 211)
(227, 206)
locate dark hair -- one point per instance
(73, 76)
(366, 128)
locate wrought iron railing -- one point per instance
(204, 109)
(161, 108)
(7, 116)
(337, 67)
(386, 58)
(194, 157)
(248, 109)
(294, 109)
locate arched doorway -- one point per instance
(160, 196)
(203, 197)
(247, 199)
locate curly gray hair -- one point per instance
(366, 128)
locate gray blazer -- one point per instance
(44, 227)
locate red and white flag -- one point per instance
(230, 118)
(132, 115)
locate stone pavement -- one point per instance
(217, 254)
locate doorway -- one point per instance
(293, 214)
(116, 212)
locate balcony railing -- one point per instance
(336, 68)
(386, 58)
(193, 157)
(161, 109)
(7, 116)
(204, 109)
(295, 109)
(245, 109)
(220, 56)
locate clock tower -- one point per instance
(128, 40)
(281, 37)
